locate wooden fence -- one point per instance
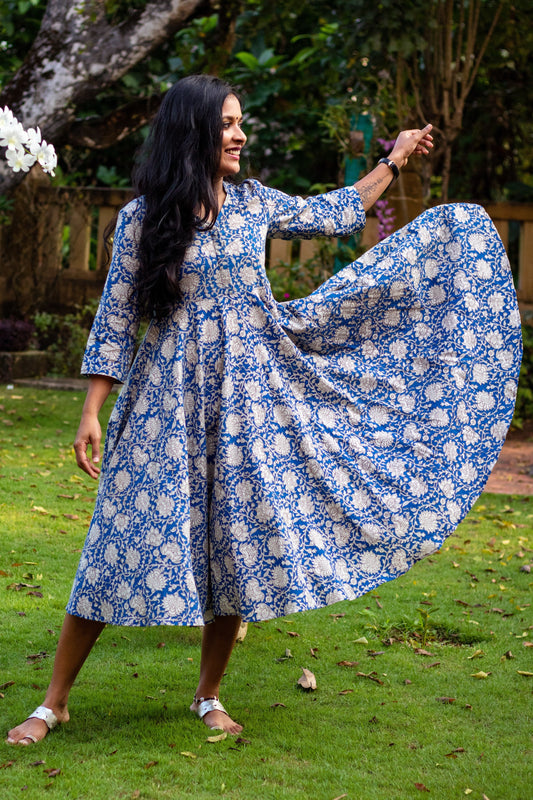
(67, 257)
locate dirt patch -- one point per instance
(513, 473)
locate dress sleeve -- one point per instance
(336, 213)
(112, 339)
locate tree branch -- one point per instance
(77, 53)
(97, 133)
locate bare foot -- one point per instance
(33, 730)
(218, 720)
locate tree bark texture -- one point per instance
(77, 53)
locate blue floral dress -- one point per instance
(265, 458)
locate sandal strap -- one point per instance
(47, 715)
(209, 704)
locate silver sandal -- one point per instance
(47, 715)
(207, 704)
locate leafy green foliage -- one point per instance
(20, 21)
(524, 397)
(303, 72)
(64, 337)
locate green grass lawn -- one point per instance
(433, 698)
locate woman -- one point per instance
(267, 458)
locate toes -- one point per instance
(37, 730)
(217, 721)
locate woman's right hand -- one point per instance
(89, 435)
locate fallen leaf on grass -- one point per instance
(217, 738)
(242, 740)
(371, 676)
(477, 654)
(346, 691)
(71, 516)
(307, 680)
(40, 509)
(18, 587)
(188, 754)
(507, 656)
(525, 674)
(419, 651)
(453, 754)
(293, 634)
(6, 685)
(527, 644)
(287, 655)
(151, 764)
(340, 796)
(445, 699)
(6, 764)
(421, 787)
(37, 656)
(347, 663)
(52, 773)
(480, 675)
(278, 705)
(37, 763)
(361, 640)
(434, 664)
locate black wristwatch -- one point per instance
(392, 166)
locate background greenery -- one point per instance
(307, 74)
(299, 67)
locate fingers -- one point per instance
(418, 141)
(82, 458)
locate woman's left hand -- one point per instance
(413, 142)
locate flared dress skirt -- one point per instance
(265, 458)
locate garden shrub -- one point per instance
(524, 398)
(64, 337)
(15, 335)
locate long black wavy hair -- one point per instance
(176, 172)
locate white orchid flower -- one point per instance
(19, 160)
(6, 117)
(46, 156)
(14, 137)
(33, 139)
(24, 148)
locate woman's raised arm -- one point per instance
(372, 186)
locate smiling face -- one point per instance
(233, 139)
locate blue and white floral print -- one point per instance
(265, 458)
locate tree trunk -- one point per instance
(77, 53)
